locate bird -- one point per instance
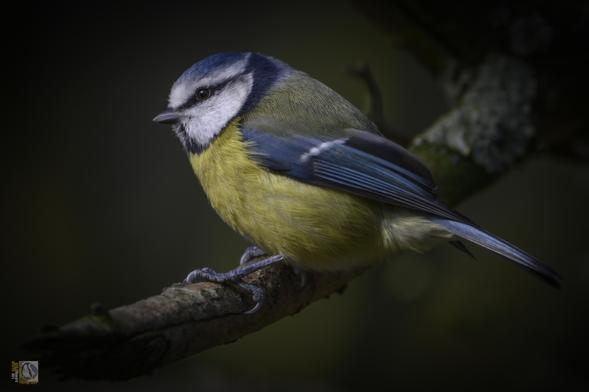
(305, 176)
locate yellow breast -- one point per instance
(315, 228)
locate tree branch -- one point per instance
(134, 339)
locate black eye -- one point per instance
(203, 93)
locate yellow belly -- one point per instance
(315, 228)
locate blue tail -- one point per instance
(487, 240)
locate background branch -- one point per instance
(375, 105)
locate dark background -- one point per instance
(100, 204)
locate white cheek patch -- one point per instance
(183, 89)
(207, 119)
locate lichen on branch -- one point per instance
(491, 122)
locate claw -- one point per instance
(203, 274)
(250, 253)
(190, 278)
(257, 294)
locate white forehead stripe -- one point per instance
(184, 88)
(314, 151)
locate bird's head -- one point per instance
(212, 92)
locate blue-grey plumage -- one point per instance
(302, 173)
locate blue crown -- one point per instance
(215, 61)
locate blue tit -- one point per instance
(306, 176)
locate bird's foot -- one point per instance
(251, 253)
(234, 276)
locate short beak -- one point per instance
(168, 116)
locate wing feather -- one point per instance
(361, 163)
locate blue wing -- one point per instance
(359, 162)
(373, 167)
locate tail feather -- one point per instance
(487, 240)
(461, 247)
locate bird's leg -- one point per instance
(254, 251)
(209, 275)
(250, 253)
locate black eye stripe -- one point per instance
(195, 99)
